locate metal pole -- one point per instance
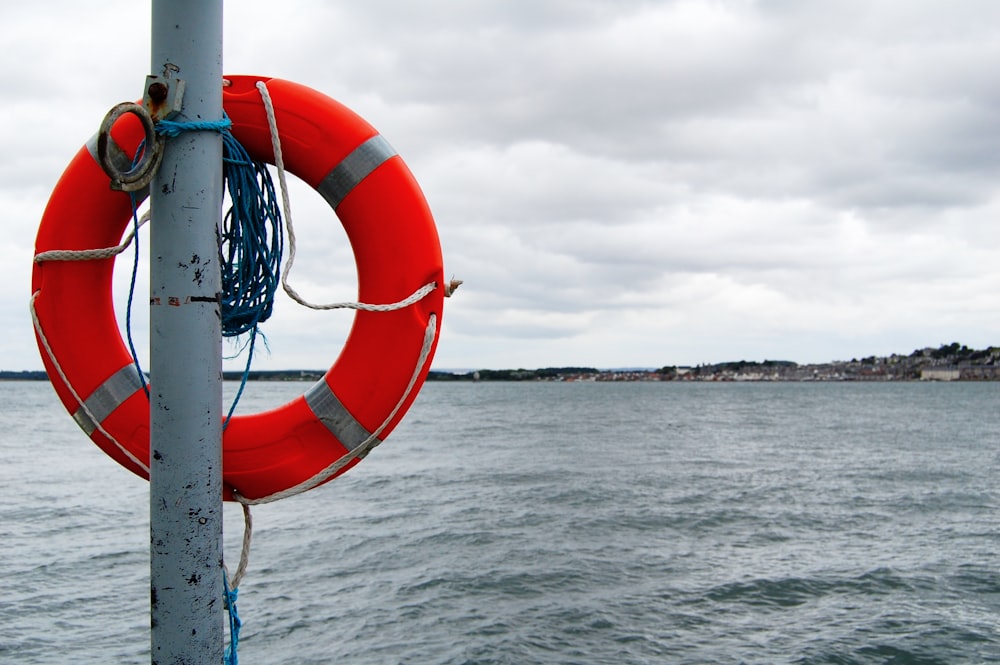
(185, 501)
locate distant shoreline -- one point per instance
(949, 362)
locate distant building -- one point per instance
(940, 373)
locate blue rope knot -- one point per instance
(173, 129)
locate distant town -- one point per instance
(948, 362)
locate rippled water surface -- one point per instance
(556, 523)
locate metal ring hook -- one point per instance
(125, 176)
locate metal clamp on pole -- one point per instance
(112, 158)
(164, 97)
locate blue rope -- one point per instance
(250, 245)
(135, 270)
(250, 248)
(251, 242)
(173, 129)
(230, 657)
(249, 347)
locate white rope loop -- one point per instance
(279, 164)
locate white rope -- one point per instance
(331, 470)
(425, 350)
(366, 445)
(84, 255)
(91, 254)
(414, 297)
(279, 164)
(79, 400)
(241, 569)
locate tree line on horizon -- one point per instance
(954, 353)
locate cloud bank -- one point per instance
(618, 183)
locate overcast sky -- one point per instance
(618, 183)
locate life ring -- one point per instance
(370, 384)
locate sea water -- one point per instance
(555, 523)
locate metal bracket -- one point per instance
(161, 100)
(112, 158)
(163, 97)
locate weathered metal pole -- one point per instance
(185, 501)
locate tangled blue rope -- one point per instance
(251, 242)
(250, 245)
(250, 248)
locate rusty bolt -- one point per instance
(158, 93)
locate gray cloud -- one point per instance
(618, 183)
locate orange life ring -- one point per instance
(396, 248)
